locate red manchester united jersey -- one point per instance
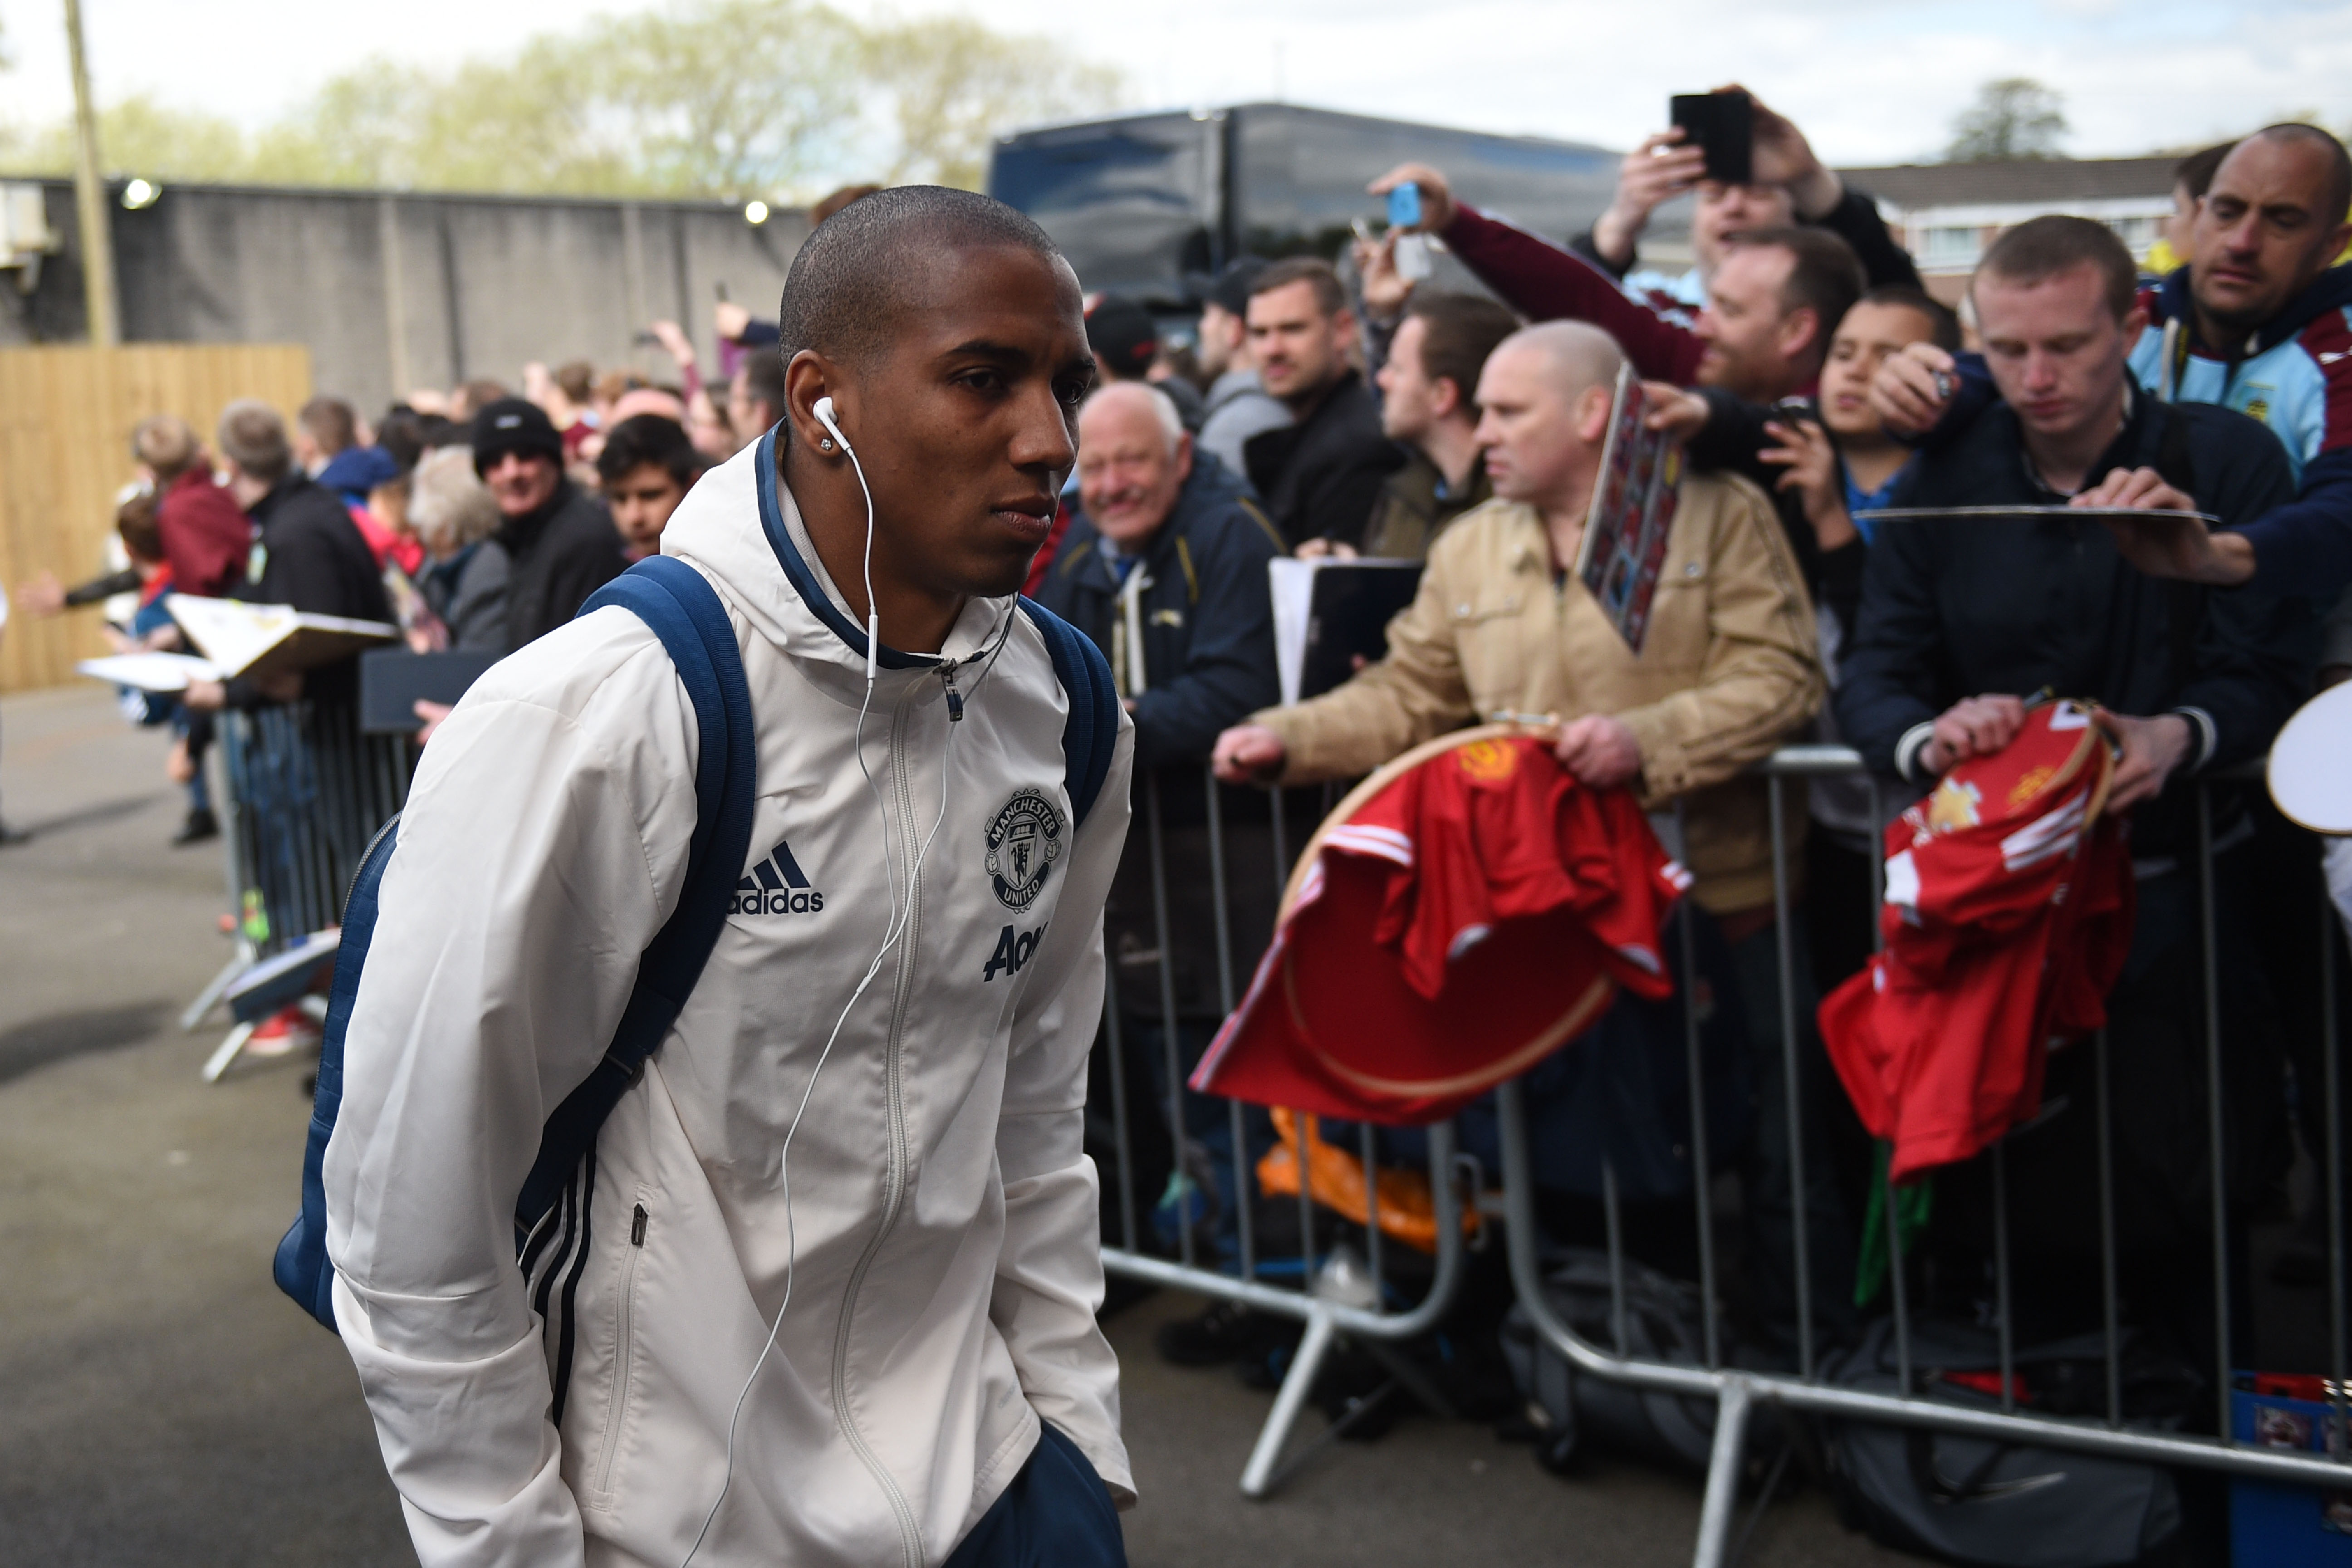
(1455, 925)
(2008, 916)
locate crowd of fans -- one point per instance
(1317, 412)
(1813, 382)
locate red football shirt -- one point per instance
(1458, 926)
(2008, 917)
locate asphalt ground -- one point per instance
(161, 1404)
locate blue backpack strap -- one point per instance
(1090, 734)
(301, 1267)
(684, 612)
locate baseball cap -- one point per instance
(1123, 334)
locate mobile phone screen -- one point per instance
(1404, 206)
(1724, 125)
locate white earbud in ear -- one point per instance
(824, 412)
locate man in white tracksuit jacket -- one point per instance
(940, 1245)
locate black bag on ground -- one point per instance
(1973, 1500)
(1574, 1412)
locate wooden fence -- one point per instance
(66, 415)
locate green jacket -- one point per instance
(1413, 511)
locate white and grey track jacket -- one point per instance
(940, 1246)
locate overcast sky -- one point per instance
(1871, 80)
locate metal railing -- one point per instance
(1738, 1391)
(1326, 1321)
(302, 791)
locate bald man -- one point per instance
(824, 1291)
(1501, 626)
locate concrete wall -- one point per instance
(394, 292)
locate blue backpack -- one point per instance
(684, 612)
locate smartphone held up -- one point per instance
(1722, 125)
(1412, 247)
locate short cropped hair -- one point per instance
(845, 289)
(332, 424)
(480, 393)
(2044, 246)
(135, 524)
(1825, 277)
(839, 199)
(1943, 326)
(165, 444)
(1581, 356)
(2196, 171)
(1331, 294)
(576, 381)
(645, 438)
(1457, 332)
(2335, 201)
(253, 437)
(402, 433)
(763, 380)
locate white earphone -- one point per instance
(824, 416)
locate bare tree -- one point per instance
(2013, 118)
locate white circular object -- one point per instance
(2310, 763)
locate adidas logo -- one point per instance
(775, 885)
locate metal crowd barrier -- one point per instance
(1737, 1391)
(1326, 1321)
(302, 790)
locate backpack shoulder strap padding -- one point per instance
(1090, 733)
(683, 610)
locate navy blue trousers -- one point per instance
(1057, 1514)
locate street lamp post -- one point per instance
(90, 197)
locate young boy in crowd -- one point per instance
(648, 465)
(1827, 457)
(149, 628)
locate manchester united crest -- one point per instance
(1023, 841)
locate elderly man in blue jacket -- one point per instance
(1165, 567)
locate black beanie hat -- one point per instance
(514, 425)
(1124, 334)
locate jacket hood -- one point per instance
(2331, 290)
(739, 524)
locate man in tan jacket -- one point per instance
(1727, 671)
(1499, 627)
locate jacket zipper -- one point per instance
(624, 1345)
(910, 1538)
